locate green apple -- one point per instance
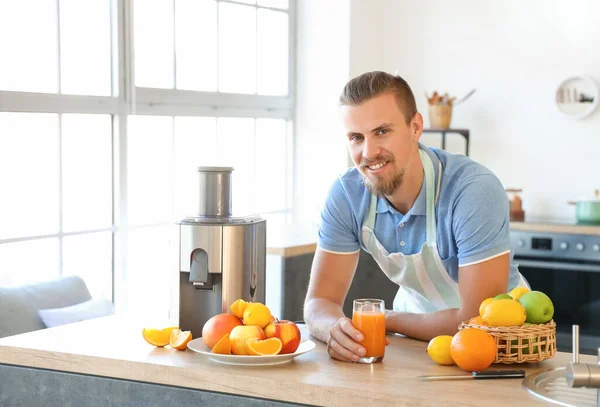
(524, 342)
(503, 297)
(539, 307)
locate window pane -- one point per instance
(195, 146)
(270, 165)
(17, 265)
(151, 265)
(153, 43)
(28, 46)
(196, 44)
(282, 4)
(90, 257)
(85, 47)
(29, 154)
(238, 132)
(272, 52)
(149, 151)
(246, 1)
(87, 171)
(237, 48)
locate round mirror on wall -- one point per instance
(577, 96)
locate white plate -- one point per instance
(197, 345)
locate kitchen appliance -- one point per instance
(587, 211)
(567, 268)
(221, 257)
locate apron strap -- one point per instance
(429, 196)
(370, 219)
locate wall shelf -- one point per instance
(463, 132)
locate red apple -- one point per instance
(287, 331)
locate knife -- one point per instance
(485, 374)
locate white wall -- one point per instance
(323, 68)
(515, 53)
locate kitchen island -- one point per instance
(107, 362)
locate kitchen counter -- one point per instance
(113, 347)
(298, 239)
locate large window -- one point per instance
(106, 109)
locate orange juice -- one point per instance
(372, 325)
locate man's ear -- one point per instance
(416, 126)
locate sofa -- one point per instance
(40, 305)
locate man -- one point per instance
(436, 223)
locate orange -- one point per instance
(257, 314)
(179, 339)
(158, 337)
(271, 346)
(478, 320)
(473, 349)
(238, 307)
(223, 346)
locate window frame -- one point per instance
(126, 99)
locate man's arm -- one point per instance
(476, 283)
(330, 279)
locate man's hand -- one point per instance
(342, 341)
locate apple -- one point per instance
(240, 334)
(287, 331)
(503, 297)
(539, 307)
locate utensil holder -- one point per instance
(520, 344)
(440, 116)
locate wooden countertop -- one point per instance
(298, 239)
(113, 347)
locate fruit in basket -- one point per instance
(262, 347)
(238, 307)
(478, 320)
(473, 349)
(438, 350)
(503, 297)
(257, 314)
(287, 331)
(484, 304)
(539, 306)
(240, 334)
(517, 292)
(217, 326)
(504, 313)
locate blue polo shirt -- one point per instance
(472, 216)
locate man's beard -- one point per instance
(383, 186)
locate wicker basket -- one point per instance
(440, 116)
(519, 344)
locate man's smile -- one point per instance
(376, 167)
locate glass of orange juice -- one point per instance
(368, 316)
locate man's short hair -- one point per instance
(371, 84)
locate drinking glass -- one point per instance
(368, 316)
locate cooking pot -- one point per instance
(588, 210)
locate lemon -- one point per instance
(517, 292)
(438, 350)
(504, 313)
(258, 314)
(484, 304)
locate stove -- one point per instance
(563, 261)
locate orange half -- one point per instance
(271, 346)
(158, 337)
(238, 307)
(223, 346)
(179, 339)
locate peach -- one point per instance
(217, 327)
(288, 332)
(240, 334)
